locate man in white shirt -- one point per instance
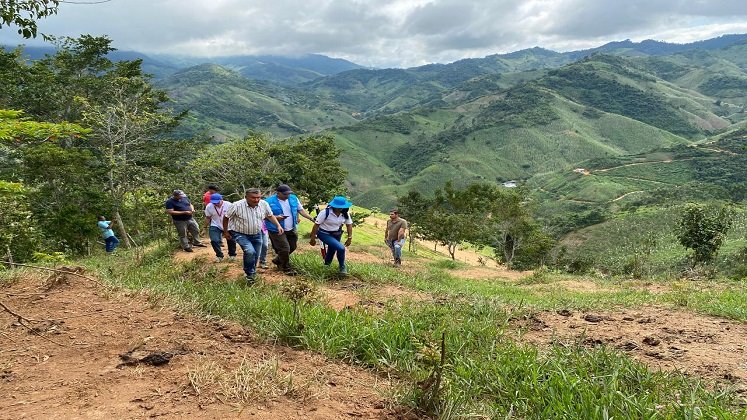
(214, 212)
(286, 207)
(243, 223)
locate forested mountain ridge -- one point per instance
(600, 106)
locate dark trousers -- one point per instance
(284, 245)
(111, 243)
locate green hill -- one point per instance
(601, 106)
(225, 104)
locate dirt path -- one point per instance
(700, 345)
(637, 164)
(75, 368)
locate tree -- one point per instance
(18, 237)
(482, 214)
(25, 13)
(703, 230)
(36, 145)
(125, 133)
(310, 165)
(123, 165)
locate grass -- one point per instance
(248, 383)
(488, 374)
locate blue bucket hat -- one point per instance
(340, 202)
(215, 198)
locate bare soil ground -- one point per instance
(704, 346)
(95, 353)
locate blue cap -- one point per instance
(216, 198)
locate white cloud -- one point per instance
(388, 32)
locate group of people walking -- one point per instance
(253, 223)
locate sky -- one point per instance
(386, 33)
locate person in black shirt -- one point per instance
(181, 210)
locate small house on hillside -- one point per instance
(510, 184)
(581, 171)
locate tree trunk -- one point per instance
(123, 232)
(10, 257)
(452, 250)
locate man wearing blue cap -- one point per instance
(286, 208)
(181, 211)
(214, 212)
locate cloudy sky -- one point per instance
(387, 33)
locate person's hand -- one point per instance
(312, 242)
(348, 241)
(281, 231)
(227, 235)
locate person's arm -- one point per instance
(226, 234)
(171, 211)
(386, 231)
(207, 217)
(314, 230)
(349, 227)
(302, 211)
(401, 233)
(275, 222)
(228, 213)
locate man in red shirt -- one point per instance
(211, 189)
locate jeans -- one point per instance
(396, 247)
(182, 226)
(251, 245)
(263, 251)
(111, 243)
(334, 246)
(284, 245)
(216, 240)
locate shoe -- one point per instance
(231, 258)
(218, 259)
(397, 261)
(264, 265)
(250, 280)
(290, 273)
(201, 245)
(343, 271)
(188, 250)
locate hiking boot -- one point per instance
(343, 271)
(264, 265)
(218, 259)
(251, 280)
(397, 261)
(231, 258)
(201, 245)
(188, 250)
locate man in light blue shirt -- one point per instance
(107, 233)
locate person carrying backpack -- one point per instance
(328, 228)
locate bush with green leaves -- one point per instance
(703, 230)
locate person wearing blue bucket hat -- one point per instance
(328, 228)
